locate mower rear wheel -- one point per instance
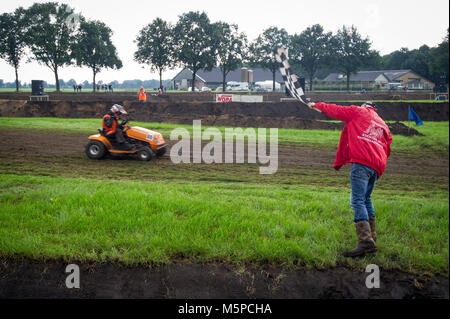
(145, 154)
(95, 150)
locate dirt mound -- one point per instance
(280, 115)
(33, 279)
(279, 122)
(402, 129)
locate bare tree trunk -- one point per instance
(193, 80)
(17, 79)
(56, 79)
(224, 87)
(273, 77)
(160, 78)
(348, 81)
(311, 76)
(93, 83)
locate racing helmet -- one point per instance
(118, 109)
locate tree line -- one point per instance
(196, 43)
(126, 84)
(55, 36)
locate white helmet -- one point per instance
(116, 108)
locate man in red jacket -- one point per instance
(365, 142)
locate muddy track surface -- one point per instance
(48, 147)
(33, 279)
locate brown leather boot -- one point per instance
(372, 228)
(365, 241)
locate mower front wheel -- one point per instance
(95, 150)
(145, 154)
(161, 151)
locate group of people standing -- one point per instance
(109, 88)
(105, 87)
(77, 87)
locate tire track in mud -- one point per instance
(20, 145)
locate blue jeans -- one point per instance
(362, 181)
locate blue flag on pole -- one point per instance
(414, 117)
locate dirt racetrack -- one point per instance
(62, 154)
(51, 148)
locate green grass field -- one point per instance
(138, 222)
(132, 212)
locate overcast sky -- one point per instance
(390, 24)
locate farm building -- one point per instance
(382, 78)
(366, 78)
(213, 78)
(409, 78)
(183, 80)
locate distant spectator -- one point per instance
(80, 87)
(110, 88)
(98, 87)
(142, 94)
(75, 88)
(363, 91)
(159, 92)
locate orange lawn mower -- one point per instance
(145, 143)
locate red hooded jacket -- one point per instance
(365, 139)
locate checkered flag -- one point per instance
(290, 79)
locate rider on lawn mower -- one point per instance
(113, 130)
